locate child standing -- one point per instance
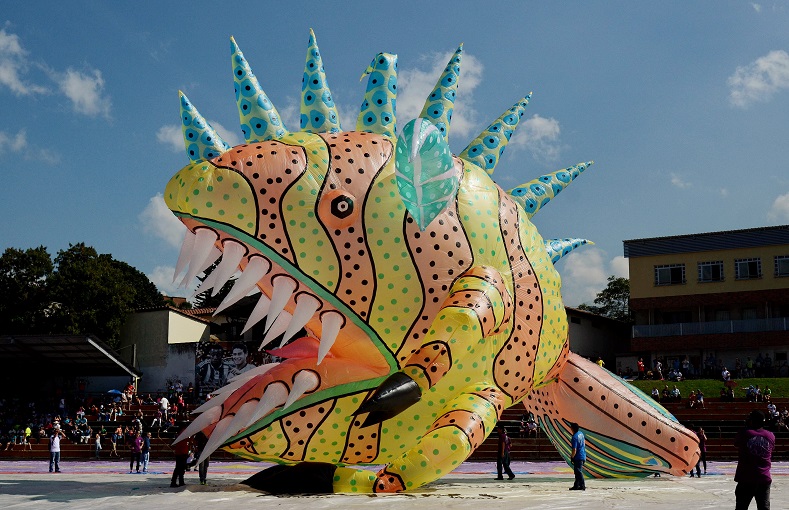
(97, 445)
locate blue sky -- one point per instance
(683, 106)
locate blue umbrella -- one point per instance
(114, 392)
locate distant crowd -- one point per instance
(91, 419)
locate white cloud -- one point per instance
(724, 192)
(158, 220)
(17, 144)
(231, 137)
(86, 92)
(12, 143)
(756, 7)
(172, 136)
(620, 267)
(14, 66)
(585, 273)
(540, 136)
(162, 277)
(779, 211)
(679, 182)
(760, 80)
(414, 85)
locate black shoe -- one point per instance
(499, 478)
(181, 484)
(173, 486)
(510, 477)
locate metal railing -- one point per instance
(711, 328)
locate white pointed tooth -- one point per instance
(306, 306)
(204, 242)
(232, 254)
(184, 254)
(220, 395)
(205, 284)
(239, 380)
(211, 403)
(241, 418)
(218, 436)
(256, 269)
(258, 313)
(199, 423)
(331, 324)
(284, 287)
(305, 380)
(213, 255)
(276, 329)
(275, 395)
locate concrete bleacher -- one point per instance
(161, 442)
(720, 420)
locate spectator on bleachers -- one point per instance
(655, 394)
(767, 393)
(699, 398)
(772, 413)
(692, 399)
(725, 374)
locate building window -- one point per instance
(746, 269)
(670, 274)
(711, 271)
(781, 265)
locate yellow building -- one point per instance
(714, 297)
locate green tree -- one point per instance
(24, 303)
(613, 301)
(92, 293)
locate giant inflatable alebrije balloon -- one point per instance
(410, 298)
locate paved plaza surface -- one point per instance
(98, 485)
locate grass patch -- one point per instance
(712, 387)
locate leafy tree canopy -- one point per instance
(613, 301)
(82, 292)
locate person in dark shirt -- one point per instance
(181, 450)
(755, 446)
(503, 456)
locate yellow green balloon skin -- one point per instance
(469, 308)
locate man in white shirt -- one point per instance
(54, 450)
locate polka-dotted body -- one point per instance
(469, 308)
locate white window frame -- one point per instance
(781, 266)
(748, 264)
(668, 271)
(710, 266)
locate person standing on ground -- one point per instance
(136, 451)
(503, 456)
(703, 448)
(578, 457)
(97, 445)
(202, 469)
(54, 450)
(181, 451)
(146, 451)
(755, 446)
